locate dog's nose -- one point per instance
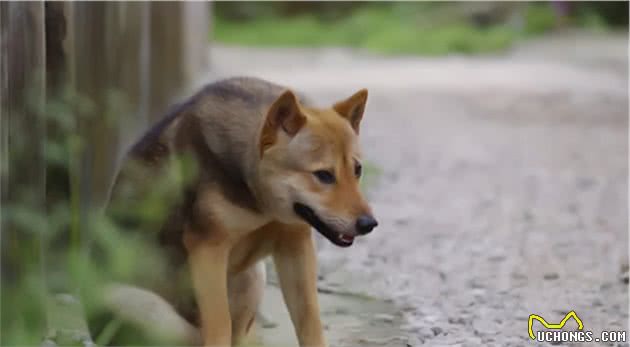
(365, 224)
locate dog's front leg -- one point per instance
(294, 256)
(208, 258)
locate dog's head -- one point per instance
(310, 166)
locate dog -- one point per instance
(243, 169)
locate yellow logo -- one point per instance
(571, 314)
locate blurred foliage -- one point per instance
(68, 246)
(371, 174)
(431, 28)
(612, 14)
(539, 19)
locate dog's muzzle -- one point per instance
(337, 238)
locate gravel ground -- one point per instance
(502, 188)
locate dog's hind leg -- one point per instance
(150, 313)
(245, 291)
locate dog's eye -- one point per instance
(324, 176)
(358, 169)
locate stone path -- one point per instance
(502, 189)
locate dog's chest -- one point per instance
(253, 242)
(229, 216)
(250, 249)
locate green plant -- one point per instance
(539, 18)
(53, 241)
(399, 29)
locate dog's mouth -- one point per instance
(309, 216)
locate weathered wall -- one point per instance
(125, 62)
(129, 59)
(22, 170)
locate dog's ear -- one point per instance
(284, 114)
(352, 108)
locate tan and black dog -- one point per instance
(257, 169)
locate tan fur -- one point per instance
(255, 148)
(230, 215)
(352, 109)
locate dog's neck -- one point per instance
(252, 177)
(234, 172)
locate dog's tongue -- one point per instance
(346, 238)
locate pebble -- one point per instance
(384, 317)
(436, 330)
(625, 278)
(551, 276)
(457, 320)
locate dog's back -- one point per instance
(216, 126)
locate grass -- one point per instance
(422, 28)
(385, 30)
